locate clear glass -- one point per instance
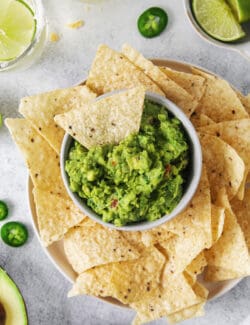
(34, 50)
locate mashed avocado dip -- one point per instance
(141, 178)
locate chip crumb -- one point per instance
(75, 25)
(54, 37)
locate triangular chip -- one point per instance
(42, 161)
(196, 310)
(175, 295)
(245, 100)
(197, 214)
(224, 166)
(90, 246)
(216, 274)
(56, 215)
(217, 220)
(242, 212)
(135, 239)
(193, 84)
(197, 265)
(236, 133)
(41, 109)
(112, 70)
(200, 120)
(241, 191)
(131, 280)
(182, 250)
(95, 281)
(105, 121)
(192, 311)
(188, 219)
(219, 102)
(228, 258)
(156, 235)
(192, 229)
(171, 89)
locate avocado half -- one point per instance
(12, 306)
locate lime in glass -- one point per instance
(21, 26)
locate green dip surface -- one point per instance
(141, 178)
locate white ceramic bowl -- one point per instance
(191, 185)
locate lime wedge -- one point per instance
(17, 28)
(217, 20)
(241, 9)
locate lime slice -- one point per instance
(217, 20)
(241, 9)
(17, 28)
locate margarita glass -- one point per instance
(23, 32)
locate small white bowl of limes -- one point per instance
(223, 23)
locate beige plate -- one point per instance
(56, 253)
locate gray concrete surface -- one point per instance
(64, 64)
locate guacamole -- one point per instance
(141, 178)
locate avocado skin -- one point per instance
(15, 312)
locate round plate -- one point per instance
(56, 254)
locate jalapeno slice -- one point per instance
(14, 233)
(152, 22)
(3, 210)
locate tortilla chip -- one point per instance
(195, 310)
(191, 229)
(228, 258)
(135, 239)
(175, 295)
(241, 191)
(242, 212)
(90, 246)
(235, 133)
(41, 109)
(171, 89)
(182, 250)
(197, 214)
(245, 100)
(224, 166)
(195, 217)
(95, 281)
(201, 120)
(112, 70)
(42, 161)
(105, 121)
(197, 265)
(55, 215)
(156, 236)
(193, 84)
(215, 274)
(131, 280)
(217, 220)
(219, 102)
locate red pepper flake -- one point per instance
(114, 203)
(113, 163)
(167, 169)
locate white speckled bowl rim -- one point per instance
(56, 254)
(193, 177)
